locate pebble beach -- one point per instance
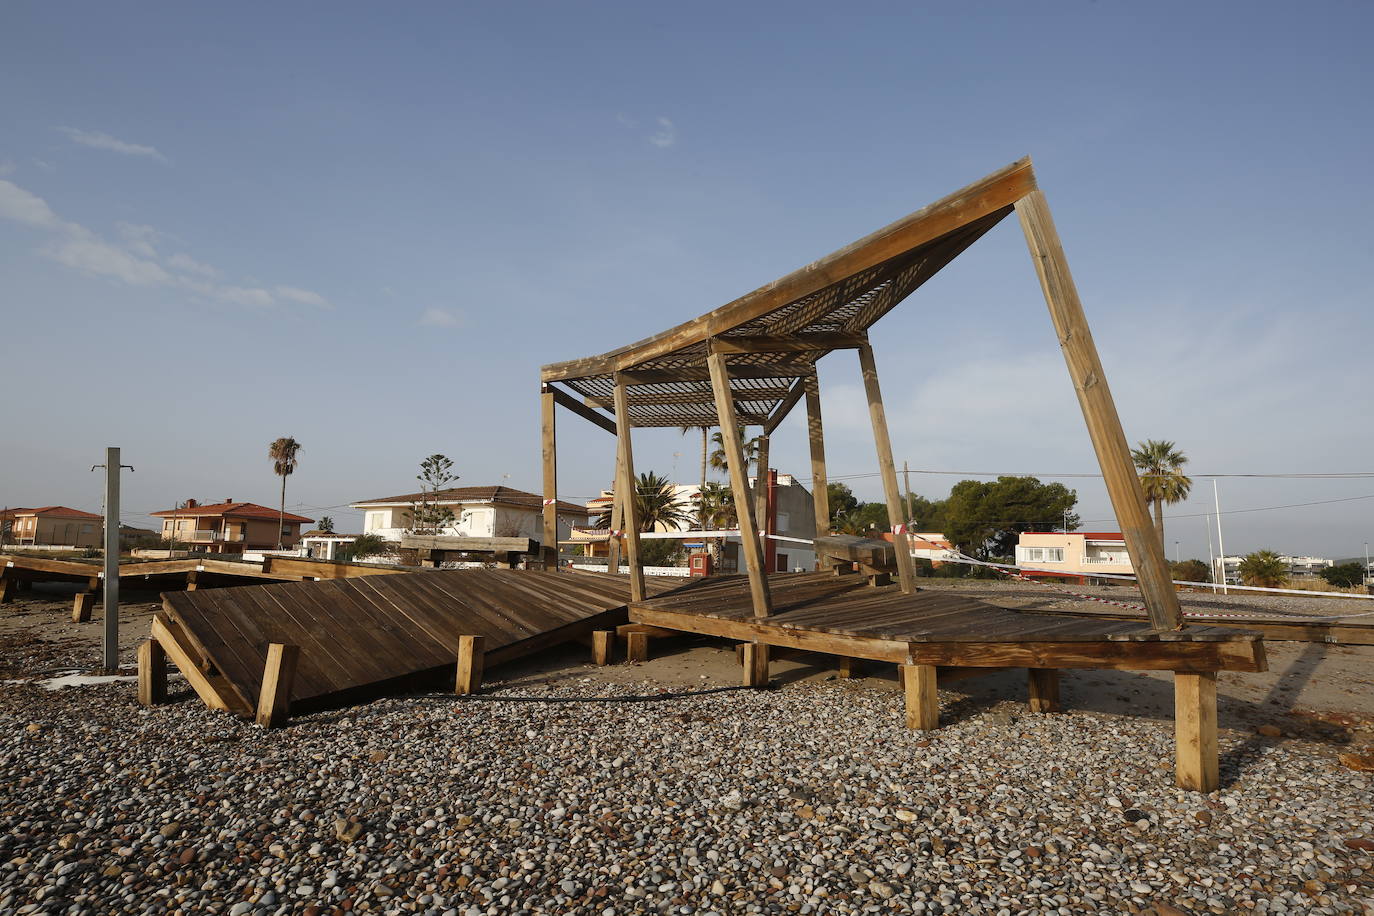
(569, 792)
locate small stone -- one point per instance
(1032, 852)
(906, 816)
(170, 830)
(1269, 731)
(188, 855)
(113, 871)
(240, 908)
(377, 756)
(1361, 843)
(382, 890)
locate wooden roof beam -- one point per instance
(634, 377)
(782, 410)
(794, 343)
(565, 400)
(667, 398)
(970, 204)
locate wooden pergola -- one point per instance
(751, 361)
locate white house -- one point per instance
(1073, 554)
(1298, 567)
(479, 512)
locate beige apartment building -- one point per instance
(229, 527)
(52, 526)
(1075, 554)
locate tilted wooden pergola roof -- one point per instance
(773, 336)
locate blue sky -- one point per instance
(367, 227)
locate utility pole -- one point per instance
(111, 587)
(1175, 553)
(1221, 545)
(1211, 556)
(906, 485)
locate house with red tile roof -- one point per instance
(478, 512)
(230, 526)
(52, 526)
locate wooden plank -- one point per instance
(815, 434)
(186, 664)
(920, 686)
(749, 631)
(794, 396)
(755, 673)
(628, 498)
(750, 544)
(278, 674)
(568, 402)
(1128, 656)
(471, 658)
(790, 343)
(549, 455)
(1099, 411)
(792, 370)
(288, 568)
(603, 646)
(969, 204)
(1195, 727)
(1044, 689)
(699, 396)
(152, 673)
(906, 568)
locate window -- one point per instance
(1042, 554)
(782, 562)
(376, 520)
(784, 521)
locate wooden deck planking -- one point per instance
(356, 632)
(942, 628)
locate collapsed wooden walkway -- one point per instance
(361, 636)
(924, 632)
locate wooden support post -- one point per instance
(191, 578)
(849, 667)
(820, 494)
(1099, 411)
(626, 486)
(906, 567)
(761, 490)
(152, 673)
(549, 444)
(84, 602)
(755, 664)
(8, 586)
(1044, 689)
(922, 698)
(472, 652)
(1195, 728)
(274, 700)
(636, 647)
(739, 486)
(603, 646)
(617, 519)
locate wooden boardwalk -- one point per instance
(925, 632)
(361, 636)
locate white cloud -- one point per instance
(138, 239)
(22, 207)
(441, 318)
(136, 261)
(186, 264)
(82, 250)
(300, 296)
(43, 164)
(665, 136)
(97, 140)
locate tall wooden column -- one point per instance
(1099, 410)
(625, 487)
(617, 518)
(761, 513)
(739, 485)
(820, 494)
(896, 516)
(550, 454)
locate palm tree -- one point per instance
(701, 509)
(1263, 568)
(283, 453)
(1161, 477)
(718, 506)
(325, 524)
(750, 447)
(655, 504)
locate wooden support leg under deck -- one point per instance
(84, 602)
(472, 652)
(1044, 689)
(755, 664)
(1195, 726)
(8, 587)
(922, 699)
(849, 667)
(274, 700)
(152, 673)
(603, 645)
(636, 647)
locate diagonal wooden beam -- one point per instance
(625, 488)
(586, 413)
(782, 410)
